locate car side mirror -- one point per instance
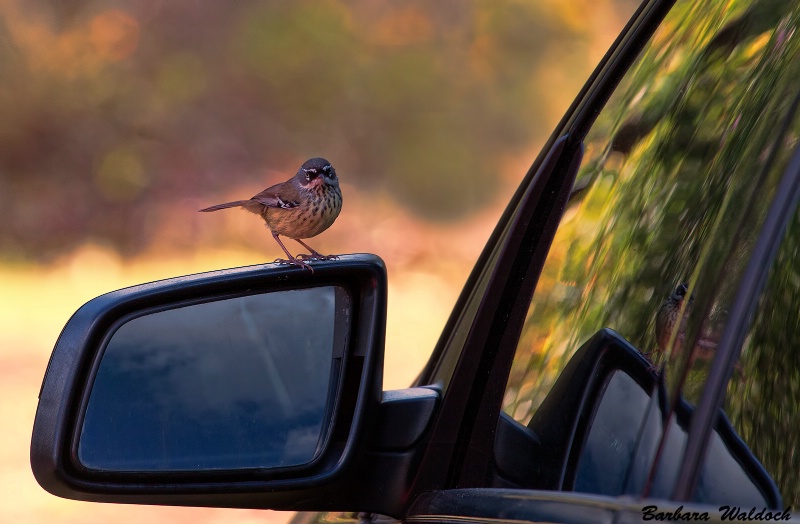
(240, 387)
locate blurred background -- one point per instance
(120, 120)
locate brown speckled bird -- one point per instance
(667, 317)
(302, 207)
(669, 320)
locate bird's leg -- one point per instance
(292, 260)
(315, 255)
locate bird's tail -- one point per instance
(226, 205)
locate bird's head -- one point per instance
(316, 172)
(680, 293)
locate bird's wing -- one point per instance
(279, 195)
(275, 201)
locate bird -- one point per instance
(668, 314)
(302, 207)
(671, 326)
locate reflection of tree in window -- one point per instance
(680, 168)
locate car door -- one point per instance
(682, 168)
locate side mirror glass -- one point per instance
(243, 382)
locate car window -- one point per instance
(763, 396)
(680, 168)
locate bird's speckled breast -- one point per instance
(313, 216)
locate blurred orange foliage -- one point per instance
(109, 36)
(120, 122)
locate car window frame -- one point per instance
(472, 385)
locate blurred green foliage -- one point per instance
(113, 113)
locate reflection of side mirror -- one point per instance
(250, 387)
(599, 428)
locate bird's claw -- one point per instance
(297, 261)
(317, 256)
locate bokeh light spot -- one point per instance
(114, 34)
(120, 175)
(404, 26)
(182, 77)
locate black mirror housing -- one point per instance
(351, 411)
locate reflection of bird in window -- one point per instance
(670, 323)
(667, 317)
(302, 207)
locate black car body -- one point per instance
(555, 392)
